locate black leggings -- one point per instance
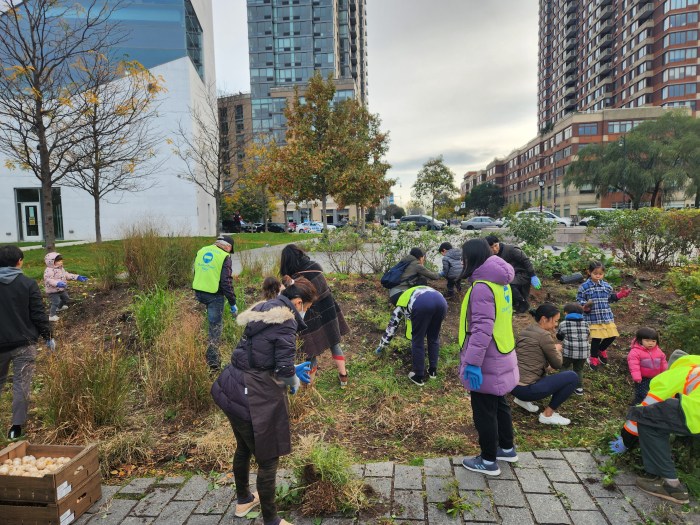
(600, 345)
(267, 469)
(493, 423)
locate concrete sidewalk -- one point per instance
(544, 487)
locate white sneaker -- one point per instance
(527, 405)
(64, 307)
(554, 419)
(53, 318)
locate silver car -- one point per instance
(477, 223)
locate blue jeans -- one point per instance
(215, 312)
(560, 386)
(427, 314)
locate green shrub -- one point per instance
(84, 388)
(154, 311)
(653, 238)
(532, 231)
(574, 258)
(683, 326)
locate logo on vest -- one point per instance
(208, 257)
(506, 294)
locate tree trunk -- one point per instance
(98, 226)
(285, 220)
(433, 214)
(655, 195)
(217, 212)
(47, 213)
(697, 198)
(265, 209)
(324, 223)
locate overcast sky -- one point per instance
(450, 77)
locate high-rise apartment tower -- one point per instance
(290, 39)
(597, 54)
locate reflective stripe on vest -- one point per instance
(503, 323)
(692, 381)
(403, 301)
(631, 426)
(207, 269)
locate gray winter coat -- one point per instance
(253, 387)
(415, 274)
(452, 263)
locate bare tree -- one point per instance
(41, 115)
(118, 150)
(201, 148)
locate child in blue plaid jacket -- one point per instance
(574, 333)
(595, 296)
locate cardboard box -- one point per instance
(67, 511)
(51, 488)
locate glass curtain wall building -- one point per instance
(289, 40)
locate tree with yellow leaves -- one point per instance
(42, 120)
(118, 150)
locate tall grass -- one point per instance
(154, 312)
(86, 387)
(108, 258)
(154, 260)
(257, 266)
(174, 370)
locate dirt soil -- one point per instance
(381, 415)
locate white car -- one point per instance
(313, 227)
(546, 216)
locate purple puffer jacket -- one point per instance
(500, 371)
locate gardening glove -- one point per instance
(234, 310)
(617, 446)
(623, 293)
(302, 372)
(379, 349)
(82, 278)
(51, 344)
(442, 274)
(535, 282)
(472, 374)
(61, 284)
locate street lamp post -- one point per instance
(541, 183)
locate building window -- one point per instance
(681, 20)
(679, 55)
(670, 5)
(678, 90)
(193, 30)
(680, 37)
(588, 129)
(679, 73)
(621, 126)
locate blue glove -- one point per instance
(82, 278)
(61, 284)
(472, 374)
(379, 349)
(302, 372)
(535, 281)
(442, 274)
(51, 344)
(234, 310)
(293, 390)
(617, 446)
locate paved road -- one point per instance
(544, 487)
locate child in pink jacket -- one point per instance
(646, 361)
(55, 282)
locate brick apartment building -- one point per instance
(604, 66)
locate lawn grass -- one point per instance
(81, 258)
(32, 243)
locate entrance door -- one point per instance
(31, 221)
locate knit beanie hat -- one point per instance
(224, 242)
(677, 354)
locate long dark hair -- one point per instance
(293, 260)
(474, 254)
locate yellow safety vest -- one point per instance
(207, 268)
(404, 298)
(503, 324)
(683, 377)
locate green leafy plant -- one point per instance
(455, 505)
(531, 230)
(609, 472)
(574, 258)
(154, 311)
(683, 326)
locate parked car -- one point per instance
(313, 227)
(477, 223)
(590, 216)
(546, 216)
(274, 227)
(423, 221)
(393, 224)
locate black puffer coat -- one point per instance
(253, 386)
(520, 262)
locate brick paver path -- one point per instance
(544, 487)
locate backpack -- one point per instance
(392, 277)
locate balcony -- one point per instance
(570, 105)
(570, 80)
(570, 92)
(570, 68)
(605, 27)
(571, 31)
(569, 43)
(605, 40)
(571, 55)
(605, 12)
(605, 55)
(570, 20)
(604, 70)
(570, 6)
(644, 11)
